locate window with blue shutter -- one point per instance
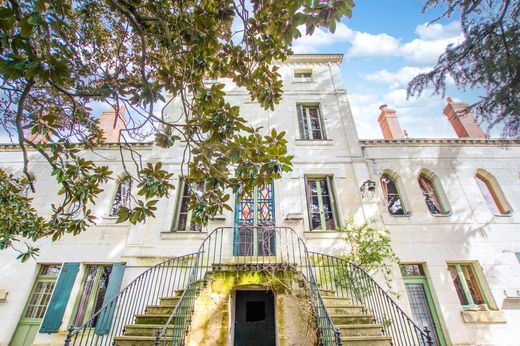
(114, 285)
(60, 297)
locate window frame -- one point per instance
(40, 278)
(297, 79)
(400, 195)
(438, 193)
(332, 196)
(465, 288)
(178, 206)
(119, 182)
(89, 314)
(300, 112)
(495, 192)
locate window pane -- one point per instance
(391, 195)
(122, 197)
(430, 195)
(310, 120)
(489, 195)
(50, 270)
(93, 293)
(321, 211)
(412, 270)
(472, 283)
(458, 285)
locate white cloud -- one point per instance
(365, 45)
(437, 31)
(397, 79)
(426, 52)
(321, 38)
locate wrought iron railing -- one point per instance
(255, 248)
(161, 280)
(352, 282)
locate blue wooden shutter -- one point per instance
(114, 284)
(60, 297)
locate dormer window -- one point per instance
(303, 76)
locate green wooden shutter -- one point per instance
(114, 284)
(54, 314)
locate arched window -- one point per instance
(122, 196)
(391, 194)
(492, 193)
(432, 197)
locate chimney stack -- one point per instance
(389, 123)
(462, 121)
(112, 124)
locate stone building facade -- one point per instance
(451, 206)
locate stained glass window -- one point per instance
(255, 221)
(391, 194)
(431, 197)
(320, 202)
(122, 197)
(184, 214)
(311, 122)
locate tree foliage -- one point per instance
(488, 58)
(370, 248)
(59, 56)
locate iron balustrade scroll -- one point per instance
(352, 282)
(281, 248)
(161, 280)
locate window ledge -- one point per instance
(407, 214)
(483, 316)
(507, 214)
(304, 142)
(448, 214)
(323, 234)
(183, 235)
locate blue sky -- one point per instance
(386, 43)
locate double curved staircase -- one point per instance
(348, 306)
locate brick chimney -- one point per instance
(463, 122)
(112, 124)
(389, 123)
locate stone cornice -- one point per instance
(110, 146)
(438, 141)
(314, 58)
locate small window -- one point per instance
(412, 270)
(492, 194)
(92, 293)
(310, 122)
(391, 195)
(321, 204)
(122, 197)
(42, 291)
(302, 75)
(466, 284)
(184, 221)
(431, 195)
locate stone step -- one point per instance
(352, 319)
(335, 300)
(381, 340)
(360, 329)
(152, 319)
(145, 330)
(159, 309)
(169, 301)
(139, 340)
(327, 293)
(344, 309)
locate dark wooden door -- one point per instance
(254, 318)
